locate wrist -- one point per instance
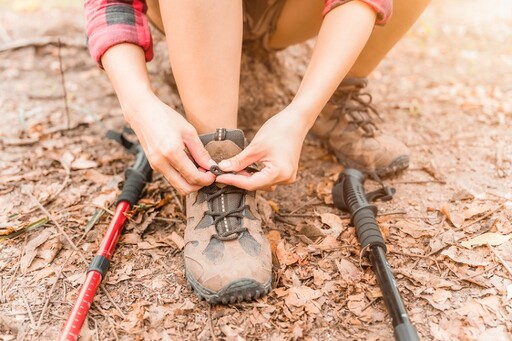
(306, 110)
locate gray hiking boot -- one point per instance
(347, 127)
(227, 256)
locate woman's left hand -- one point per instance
(277, 146)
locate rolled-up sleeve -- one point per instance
(384, 8)
(112, 22)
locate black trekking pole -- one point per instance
(136, 178)
(348, 195)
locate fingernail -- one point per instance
(211, 162)
(225, 164)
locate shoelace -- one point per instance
(222, 234)
(360, 114)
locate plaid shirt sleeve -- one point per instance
(384, 8)
(112, 22)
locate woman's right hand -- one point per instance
(171, 144)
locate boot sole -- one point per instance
(235, 292)
(397, 166)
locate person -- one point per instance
(203, 155)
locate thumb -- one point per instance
(199, 153)
(242, 160)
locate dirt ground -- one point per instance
(445, 90)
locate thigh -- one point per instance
(298, 21)
(154, 14)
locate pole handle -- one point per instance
(136, 178)
(348, 195)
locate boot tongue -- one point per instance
(223, 144)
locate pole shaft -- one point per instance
(92, 282)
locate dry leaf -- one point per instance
(457, 218)
(468, 257)
(105, 199)
(348, 271)
(284, 256)
(324, 191)
(300, 296)
(177, 239)
(334, 222)
(83, 164)
(274, 237)
(509, 292)
(30, 249)
(491, 238)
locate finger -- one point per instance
(176, 180)
(240, 161)
(260, 180)
(198, 152)
(188, 170)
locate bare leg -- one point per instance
(205, 42)
(301, 20)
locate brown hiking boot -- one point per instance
(227, 256)
(347, 127)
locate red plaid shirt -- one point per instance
(112, 22)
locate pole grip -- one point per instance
(348, 195)
(136, 178)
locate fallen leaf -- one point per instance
(177, 239)
(348, 271)
(284, 256)
(471, 258)
(30, 249)
(457, 218)
(334, 222)
(105, 199)
(274, 237)
(491, 238)
(300, 296)
(83, 164)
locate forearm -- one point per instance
(125, 65)
(344, 32)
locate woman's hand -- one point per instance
(166, 138)
(277, 146)
(164, 134)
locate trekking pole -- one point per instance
(348, 195)
(136, 178)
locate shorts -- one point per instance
(260, 19)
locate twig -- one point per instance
(167, 220)
(59, 227)
(2, 296)
(420, 182)
(39, 42)
(479, 219)
(123, 315)
(210, 323)
(482, 272)
(308, 203)
(177, 200)
(47, 301)
(502, 261)
(407, 254)
(470, 280)
(63, 84)
(27, 306)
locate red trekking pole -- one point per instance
(136, 178)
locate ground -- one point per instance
(445, 90)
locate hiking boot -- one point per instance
(346, 125)
(227, 256)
